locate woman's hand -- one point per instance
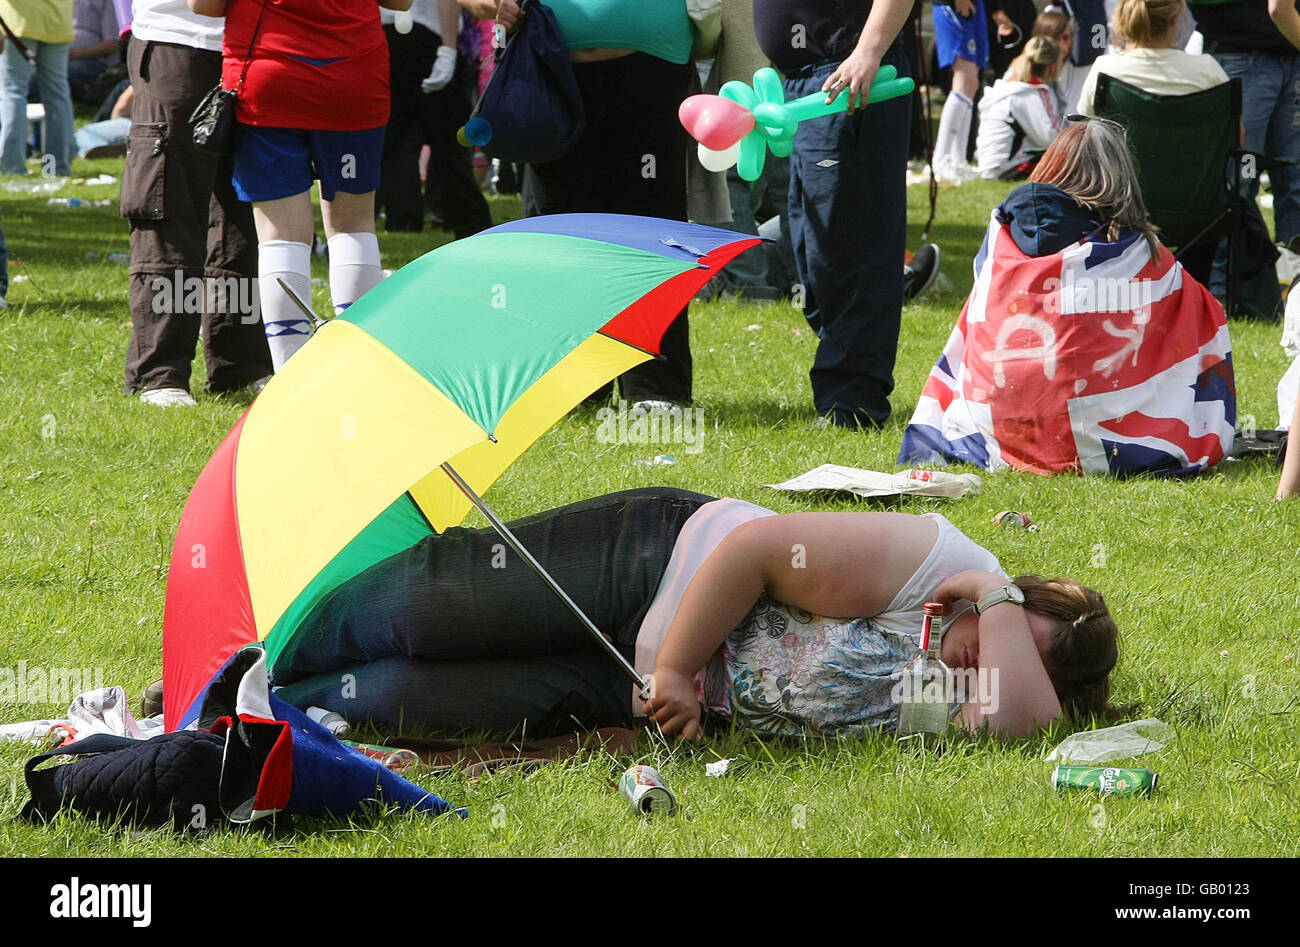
(965, 8)
(970, 584)
(508, 15)
(856, 74)
(673, 704)
(482, 9)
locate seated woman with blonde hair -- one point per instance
(1018, 117)
(1150, 60)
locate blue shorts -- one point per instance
(271, 163)
(956, 36)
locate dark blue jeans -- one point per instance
(1270, 114)
(458, 632)
(848, 227)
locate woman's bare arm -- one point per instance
(208, 7)
(841, 565)
(1019, 697)
(1288, 484)
(1286, 19)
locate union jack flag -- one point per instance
(1095, 359)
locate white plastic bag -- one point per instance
(1112, 743)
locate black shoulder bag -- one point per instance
(212, 124)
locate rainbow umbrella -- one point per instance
(390, 421)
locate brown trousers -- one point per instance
(193, 244)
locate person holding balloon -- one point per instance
(848, 196)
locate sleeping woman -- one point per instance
(783, 624)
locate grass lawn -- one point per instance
(1198, 573)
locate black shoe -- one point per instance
(849, 421)
(920, 274)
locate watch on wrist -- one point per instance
(1008, 593)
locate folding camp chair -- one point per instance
(1193, 174)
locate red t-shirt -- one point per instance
(318, 64)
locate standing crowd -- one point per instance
(357, 97)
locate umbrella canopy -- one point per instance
(465, 356)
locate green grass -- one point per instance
(1199, 573)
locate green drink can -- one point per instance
(1107, 780)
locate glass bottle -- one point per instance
(923, 704)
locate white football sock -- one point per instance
(287, 329)
(954, 130)
(354, 267)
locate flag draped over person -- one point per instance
(1096, 359)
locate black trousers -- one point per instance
(186, 219)
(848, 228)
(630, 160)
(418, 118)
(458, 632)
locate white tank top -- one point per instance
(953, 552)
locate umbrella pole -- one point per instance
(527, 556)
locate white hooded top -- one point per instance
(1016, 118)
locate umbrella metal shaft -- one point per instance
(527, 556)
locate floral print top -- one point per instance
(786, 671)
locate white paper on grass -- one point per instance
(875, 483)
(1112, 743)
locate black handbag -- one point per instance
(212, 123)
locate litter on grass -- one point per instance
(41, 185)
(1113, 743)
(874, 483)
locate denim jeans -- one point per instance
(459, 633)
(1270, 112)
(52, 79)
(98, 134)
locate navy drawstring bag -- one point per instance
(531, 111)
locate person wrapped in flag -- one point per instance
(1084, 345)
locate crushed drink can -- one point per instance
(1109, 781)
(646, 791)
(1012, 519)
(390, 757)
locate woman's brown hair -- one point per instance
(1084, 646)
(1051, 23)
(1090, 162)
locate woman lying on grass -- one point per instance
(782, 623)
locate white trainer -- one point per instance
(168, 398)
